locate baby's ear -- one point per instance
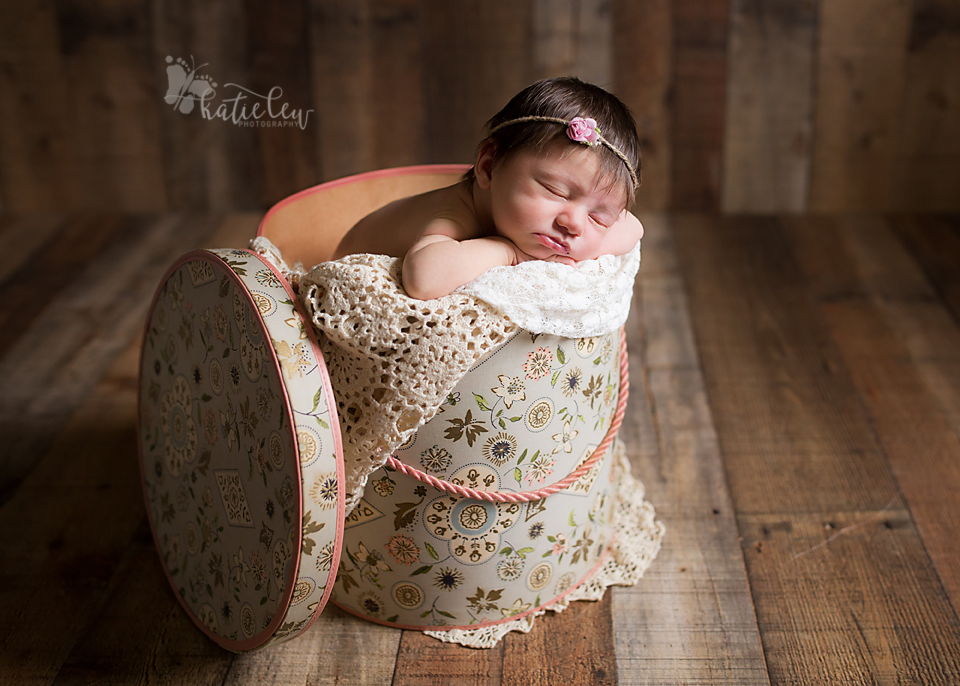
(483, 168)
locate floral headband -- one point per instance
(580, 130)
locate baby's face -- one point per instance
(555, 204)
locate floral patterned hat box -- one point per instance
(495, 508)
(237, 436)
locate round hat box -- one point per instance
(495, 508)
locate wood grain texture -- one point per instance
(339, 649)
(643, 79)
(73, 542)
(801, 452)
(935, 244)
(38, 165)
(490, 41)
(65, 530)
(768, 124)
(27, 292)
(368, 77)
(278, 37)
(928, 161)
(573, 647)
(112, 102)
(901, 345)
(700, 79)
(690, 620)
(58, 359)
(860, 83)
(24, 236)
(792, 429)
(207, 165)
(425, 660)
(849, 598)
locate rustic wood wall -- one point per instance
(743, 105)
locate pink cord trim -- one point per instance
(527, 496)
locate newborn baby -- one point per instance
(546, 185)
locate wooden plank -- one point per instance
(278, 38)
(368, 71)
(64, 531)
(700, 77)
(935, 243)
(140, 634)
(642, 78)
(573, 647)
(23, 236)
(849, 597)
(690, 620)
(903, 350)
(57, 361)
(928, 159)
(28, 291)
(425, 660)
(38, 166)
(768, 127)
(488, 40)
(339, 649)
(787, 413)
(594, 54)
(342, 77)
(112, 101)
(572, 38)
(207, 165)
(802, 457)
(860, 82)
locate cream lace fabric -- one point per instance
(637, 537)
(392, 359)
(590, 299)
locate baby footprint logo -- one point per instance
(184, 86)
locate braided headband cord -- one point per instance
(527, 496)
(600, 139)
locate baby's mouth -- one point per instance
(554, 244)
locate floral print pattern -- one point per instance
(525, 417)
(218, 447)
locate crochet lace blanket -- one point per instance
(392, 359)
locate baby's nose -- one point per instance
(571, 222)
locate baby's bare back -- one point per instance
(393, 229)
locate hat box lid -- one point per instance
(240, 450)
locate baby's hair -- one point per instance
(565, 98)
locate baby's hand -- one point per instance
(524, 257)
(562, 259)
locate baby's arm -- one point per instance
(622, 236)
(439, 263)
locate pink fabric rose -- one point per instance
(583, 130)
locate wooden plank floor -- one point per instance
(794, 415)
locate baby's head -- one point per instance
(537, 118)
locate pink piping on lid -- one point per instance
(337, 440)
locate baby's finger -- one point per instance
(563, 259)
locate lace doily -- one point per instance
(392, 359)
(590, 299)
(637, 537)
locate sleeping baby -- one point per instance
(553, 181)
